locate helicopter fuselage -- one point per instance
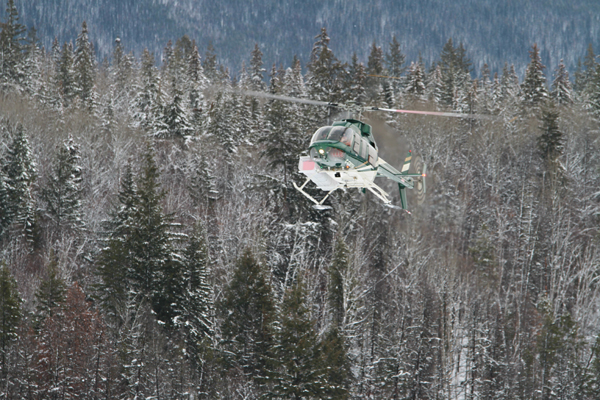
(344, 155)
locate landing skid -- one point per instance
(373, 188)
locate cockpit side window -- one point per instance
(356, 143)
(336, 133)
(347, 137)
(321, 134)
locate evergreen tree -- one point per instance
(210, 64)
(561, 87)
(550, 142)
(84, 66)
(194, 301)
(122, 73)
(5, 206)
(593, 100)
(175, 120)
(415, 81)
(20, 171)
(336, 365)
(299, 374)
(148, 100)
(247, 310)
(51, 293)
(256, 69)
(375, 67)
(202, 186)
(534, 84)
(11, 47)
(455, 76)
(357, 74)
(325, 72)
(33, 66)
(435, 85)
(153, 269)
(114, 259)
(394, 61)
(485, 92)
(65, 75)
(196, 82)
(139, 266)
(336, 295)
(62, 193)
(10, 315)
(590, 65)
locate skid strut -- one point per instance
(318, 204)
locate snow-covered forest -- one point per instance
(152, 244)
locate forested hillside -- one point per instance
(494, 32)
(152, 244)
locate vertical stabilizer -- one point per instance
(402, 196)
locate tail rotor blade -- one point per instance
(424, 178)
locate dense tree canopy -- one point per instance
(153, 244)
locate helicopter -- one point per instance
(345, 155)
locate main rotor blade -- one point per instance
(287, 98)
(438, 113)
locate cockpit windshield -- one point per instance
(334, 133)
(321, 134)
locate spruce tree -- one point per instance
(455, 76)
(550, 143)
(153, 269)
(84, 66)
(373, 83)
(325, 72)
(336, 366)
(561, 87)
(256, 69)
(122, 73)
(435, 85)
(415, 81)
(590, 65)
(196, 82)
(62, 193)
(113, 261)
(139, 265)
(336, 295)
(10, 315)
(33, 68)
(20, 171)
(357, 75)
(247, 310)
(11, 47)
(5, 206)
(194, 309)
(333, 349)
(65, 75)
(534, 84)
(593, 100)
(202, 186)
(148, 99)
(394, 61)
(299, 373)
(175, 120)
(210, 64)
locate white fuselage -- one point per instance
(332, 179)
